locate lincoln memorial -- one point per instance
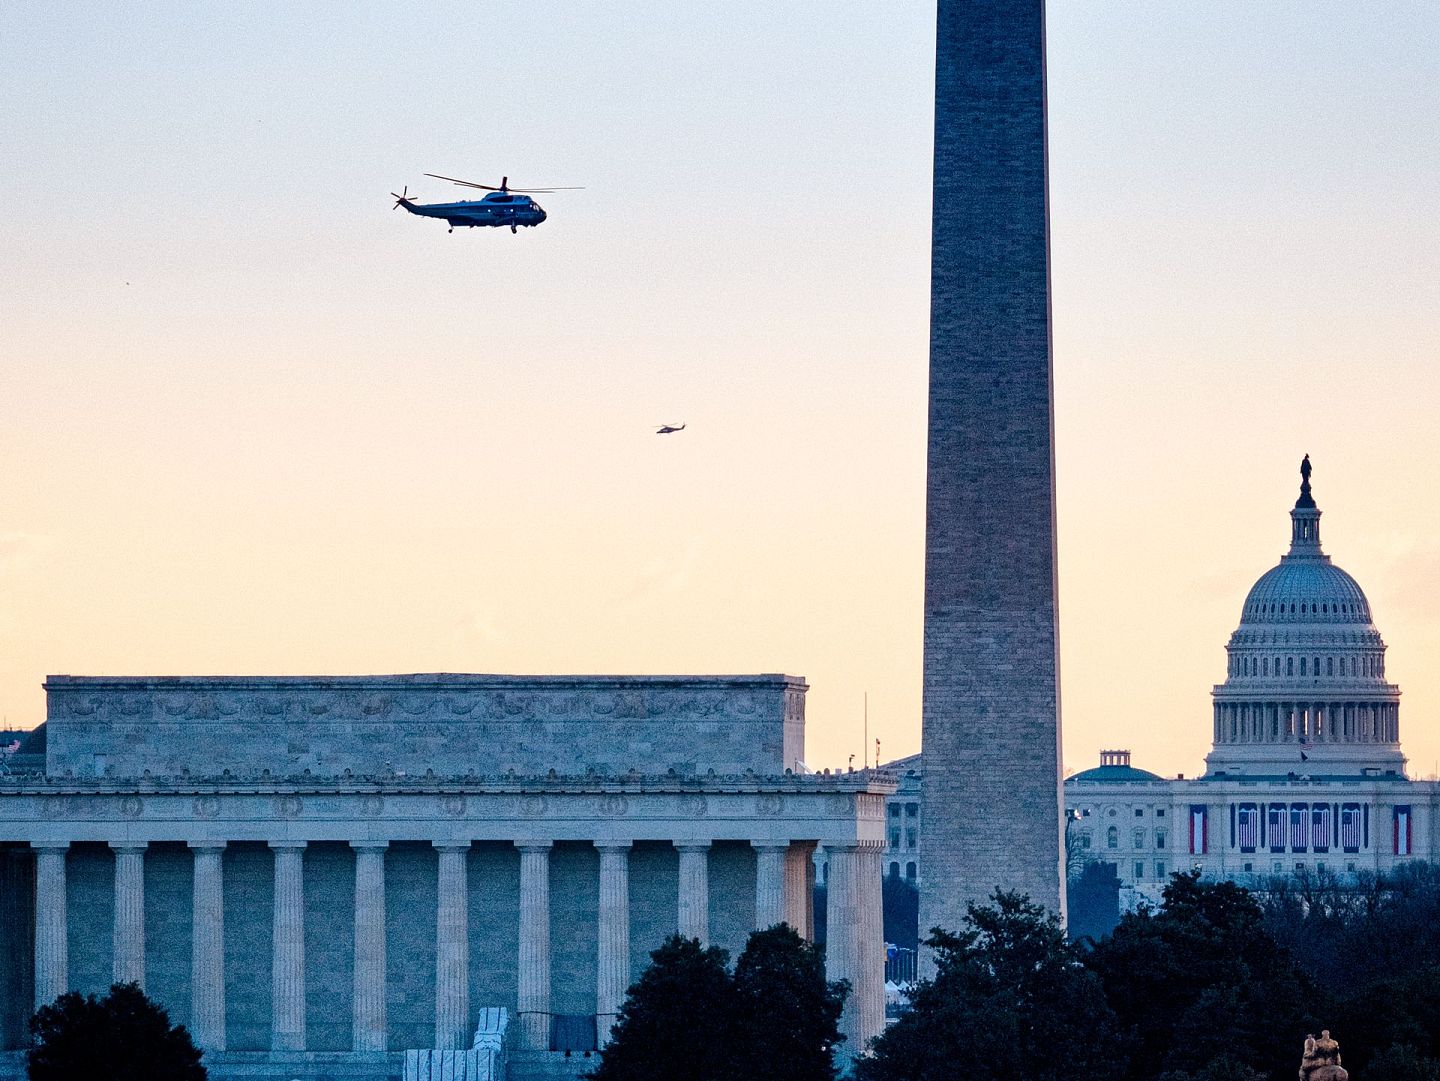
(316, 874)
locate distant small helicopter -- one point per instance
(666, 429)
(503, 206)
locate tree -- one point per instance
(787, 1014)
(1201, 978)
(1401, 1062)
(678, 1020)
(122, 1036)
(1010, 1001)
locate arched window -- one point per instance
(1302, 666)
(910, 871)
(1289, 666)
(895, 870)
(1329, 666)
(1112, 838)
(1265, 666)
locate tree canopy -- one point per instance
(677, 1021)
(1010, 1001)
(788, 1014)
(688, 1019)
(1200, 979)
(121, 1036)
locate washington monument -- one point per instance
(991, 736)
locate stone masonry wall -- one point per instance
(654, 900)
(991, 731)
(17, 931)
(329, 883)
(169, 879)
(493, 874)
(448, 724)
(249, 871)
(90, 896)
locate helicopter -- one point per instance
(502, 206)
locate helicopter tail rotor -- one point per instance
(403, 199)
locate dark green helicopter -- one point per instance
(503, 206)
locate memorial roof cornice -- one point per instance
(636, 784)
(445, 680)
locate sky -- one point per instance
(253, 420)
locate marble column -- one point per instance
(287, 971)
(52, 977)
(613, 935)
(533, 987)
(796, 856)
(694, 906)
(207, 954)
(842, 934)
(869, 901)
(128, 950)
(769, 883)
(452, 948)
(810, 884)
(368, 1001)
(855, 947)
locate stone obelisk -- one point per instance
(991, 740)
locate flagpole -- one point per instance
(865, 736)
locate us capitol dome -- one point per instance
(1305, 774)
(1305, 689)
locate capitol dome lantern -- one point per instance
(1305, 692)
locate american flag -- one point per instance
(1350, 826)
(1275, 827)
(1320, 827)
(1402, 831)
(1298, 833)
(1248, 827)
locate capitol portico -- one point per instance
(315, 874)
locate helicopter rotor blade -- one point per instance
(464, 183)
(544, 191)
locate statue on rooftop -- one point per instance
(1321, 1059)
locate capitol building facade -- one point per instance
(1306, 772)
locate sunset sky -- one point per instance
(254, 421)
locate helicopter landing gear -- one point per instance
(513, 229)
